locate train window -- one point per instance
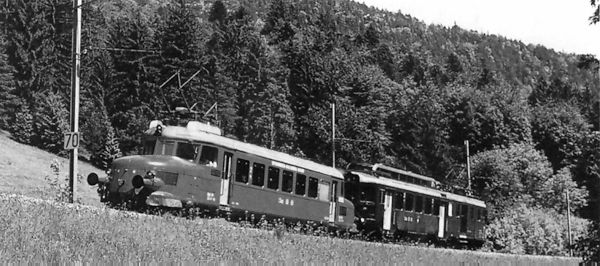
(168, 148)
(273, 182)
(464, 210)
(258, 174)
(368, 194)
(324, 191)
(381, 196)
(149, 145)
(436, 206)
(186, 151)
(408, 204)
(313, 185)
(427, 207)
(419, 204)
(400, 201)
(209, 156)
(287, 182)
(300, 184)
(242, 171)
(343, 211)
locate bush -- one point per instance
(59, 185)
(589, 247)
(536, 231)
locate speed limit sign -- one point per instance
(71, 140)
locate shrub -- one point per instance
(536, 231)
(59, 184)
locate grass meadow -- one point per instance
(35, 229)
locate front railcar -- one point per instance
(149, 180)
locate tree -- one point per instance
(50, 122)
(558, 129)
(38, 46)
(595, 18)
(519, 174)
(8, 104)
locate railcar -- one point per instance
(394, 202)
(194, 166)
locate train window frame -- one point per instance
(242, 171)
(427, 205)
(273, 174)
(186, 150)
(168, 147)
(313, 187)
(287, 181)
(209, 156)
(409, 202)
(419, 203)
(300, 185)
(258, 176)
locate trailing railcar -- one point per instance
(193, 166)
(394, 202)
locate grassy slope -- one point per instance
(34, 230)
(23, 170)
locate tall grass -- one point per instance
(33, 230)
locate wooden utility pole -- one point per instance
(333, 135)
(468, 169)
(76, 48)
(569, 222)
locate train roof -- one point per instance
(403, 172)
(196, 131)
(367, 178)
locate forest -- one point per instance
(406, 94)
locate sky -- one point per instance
(562, 25)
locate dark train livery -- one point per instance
(394, 202)
(193, 166)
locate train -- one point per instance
(192, 166)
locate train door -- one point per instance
(442, 219)
(225, 178)
(463, 217)
(387, 210)
(333, 201)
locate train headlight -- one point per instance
(362, 220)
(150, 174)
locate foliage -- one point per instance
(558, 129)
(7, 87)
(519, 174)
(109, 152)
(21, 126)
(537, 231)
(596, 15)
(50, 122)
(59, 183)
(589, 246)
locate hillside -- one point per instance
(23, 170)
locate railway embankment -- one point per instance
(35, 230)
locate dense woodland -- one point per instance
(406, 94)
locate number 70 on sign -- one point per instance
(71, 140)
